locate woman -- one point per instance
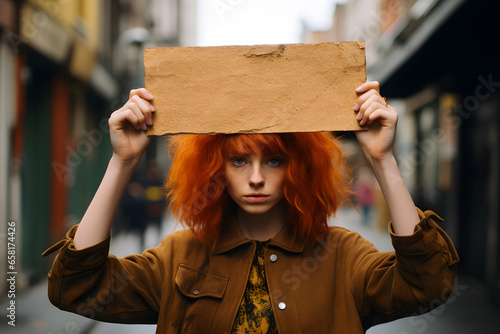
(258, 256)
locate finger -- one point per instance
(366, 96)
(370, 99)
(369, 111)
(123, 116)
(381, 115)
(141, 92)
(132, 106)
(131, 117)
(367, 100)
(146, 108)
(368, 85)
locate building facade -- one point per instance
(438, 61)
(66, 65)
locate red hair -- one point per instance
(317, 179)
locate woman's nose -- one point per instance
(256, 178)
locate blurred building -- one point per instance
(65, 66)
(437, 60)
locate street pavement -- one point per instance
(468, 311)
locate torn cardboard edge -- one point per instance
(256, 88)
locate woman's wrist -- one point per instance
(385, 163)
(123, 166)
(387, 173)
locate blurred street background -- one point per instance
(66, 65)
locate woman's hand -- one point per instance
(127, 127)
(377, 143)
(381, 118)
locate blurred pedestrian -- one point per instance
(365, 188)
(132, 210)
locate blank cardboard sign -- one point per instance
(255, 89)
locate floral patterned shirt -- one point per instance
(255, 314)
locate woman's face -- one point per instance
(255, 182)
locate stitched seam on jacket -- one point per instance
(351, 279)
(423, 284)
(233, 316)
(158, 288)
(60, 281)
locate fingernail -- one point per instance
(359, 89)
(153, 108)
(150, 121)
(358, 117)
(356, 106)
(144, 126)
(149, 96)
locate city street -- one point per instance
(112, 110)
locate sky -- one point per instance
(247, 22)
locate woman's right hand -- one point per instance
(127, 127)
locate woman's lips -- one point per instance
(256, 198)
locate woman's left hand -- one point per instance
(381, 118)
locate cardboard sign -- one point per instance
(255, 89)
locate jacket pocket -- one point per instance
(194, 283)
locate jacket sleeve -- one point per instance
(415, 279)
(95, 284)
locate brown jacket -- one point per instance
(342, 284)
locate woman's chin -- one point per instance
(256, 209)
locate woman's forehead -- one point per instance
(255, 144)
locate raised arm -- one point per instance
(377, 144)
(129, 141)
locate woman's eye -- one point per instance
(274, 162)
(238, 161)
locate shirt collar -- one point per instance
(231, 236)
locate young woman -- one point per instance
(258, 256)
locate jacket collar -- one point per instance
(231, 236)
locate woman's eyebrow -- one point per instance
(239, 154)
(274, 154)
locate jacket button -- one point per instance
(282, 306)
(195, 292)
(273, 257)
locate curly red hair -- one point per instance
(317, 180)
